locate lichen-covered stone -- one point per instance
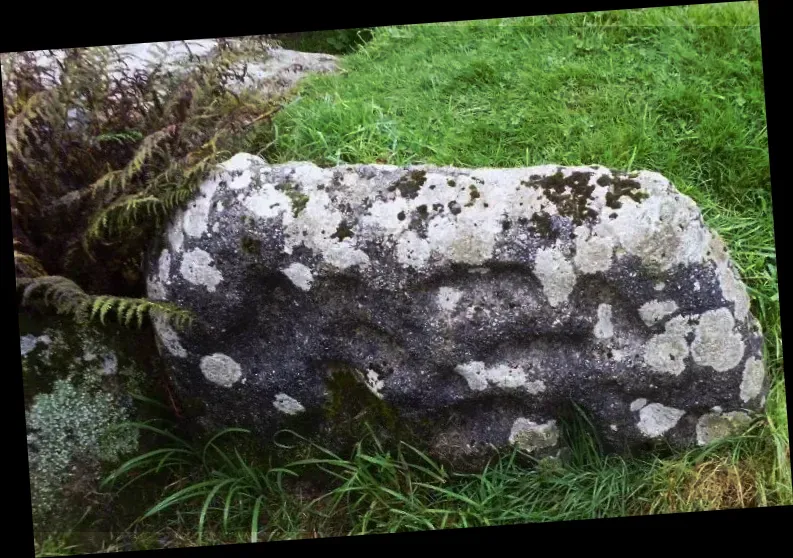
(77, 382)
(468, 300)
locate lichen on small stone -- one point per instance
(656, 419)
(531, 436)
(73, 423)
(715, 426)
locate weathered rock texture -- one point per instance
(477, 303)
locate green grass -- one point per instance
(674, 90)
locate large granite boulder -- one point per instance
(475, 303)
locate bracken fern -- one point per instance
(100, 154)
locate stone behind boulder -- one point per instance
(475, 302)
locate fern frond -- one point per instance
(68, 298)
(120, 179)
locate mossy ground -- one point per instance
(675, 90)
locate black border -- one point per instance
(53, 29)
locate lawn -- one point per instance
(674, 90)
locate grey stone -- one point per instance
(468, 301)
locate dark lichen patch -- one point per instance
(401, 215)
(474, 194)
(251, 245)
(298, 199)
(604, 180)
(451, 183)
(409, 184)
(418, 221)
(543, 225)
(570, 194)
(342, 231)
(437, 207)
(455, 208)
(624, 187)
(506, 224)
(477, 179)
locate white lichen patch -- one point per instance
(733, 290)
(666, 353)
(656, 310)
(29, 342)
(715, 426)
(716, 343)
(374, 383)
(661, 229)
(604, 329)
(266, 203)
(638, 404)
(26, 344)
(656, 419)
(412, 250)
(447, 298)
(164, 266)
(314, 228)
(531, 436)
(384, 217)
(753, 379)
(69, 427)
(197, 269)
(241, 170)
(659, 286)
(109, 364)
(555, 274)
(300, 275)
(480, 377)
(467, 228)
(168, 337)
(195, 219)
(220, 369)
(467, 238)
(155, 290)
(592, 253)
(175, 232)
(287, 404)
